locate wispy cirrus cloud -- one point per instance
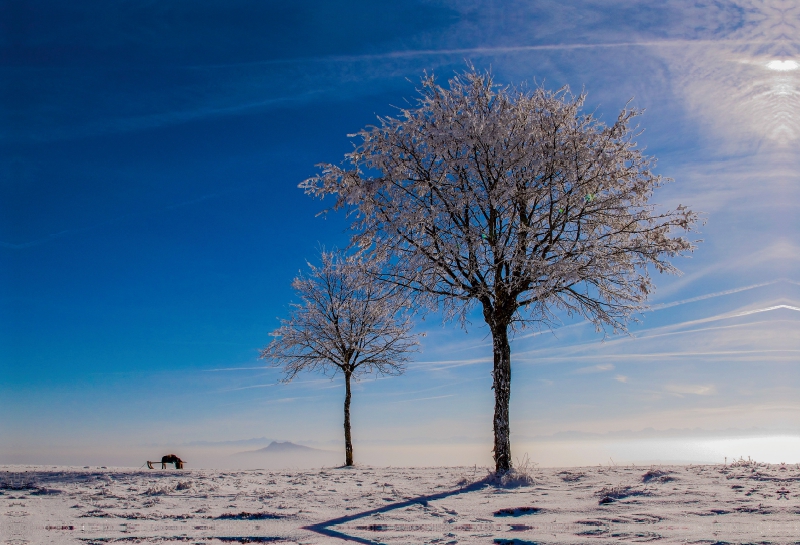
(763, 333)
(212, 89)
(749, 257)
(662, 306)
(693, 389)
(599, 368)
(746, 85)
(422, 398)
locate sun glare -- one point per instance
(783, 66)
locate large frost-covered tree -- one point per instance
(511, 199)
(346, 322)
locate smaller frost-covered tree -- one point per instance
(346, 322)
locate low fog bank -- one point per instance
(573, 452)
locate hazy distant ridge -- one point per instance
(277, 447)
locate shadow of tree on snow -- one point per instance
(324, 528)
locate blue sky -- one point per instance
(151, 222)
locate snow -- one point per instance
(740, 503)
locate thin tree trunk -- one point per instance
(348, 442)
(502, 398)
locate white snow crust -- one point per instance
(742, 503)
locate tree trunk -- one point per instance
(502, 397)
(348, 442)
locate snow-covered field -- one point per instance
(741, 503)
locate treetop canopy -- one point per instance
(508, 197)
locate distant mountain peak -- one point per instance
(285, 446)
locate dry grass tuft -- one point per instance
(521, 475)
(614, 493)
(571, 476)
(657, 476)
(741, 462)
(157, 490)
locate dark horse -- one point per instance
(168, 459)
(171, 459)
